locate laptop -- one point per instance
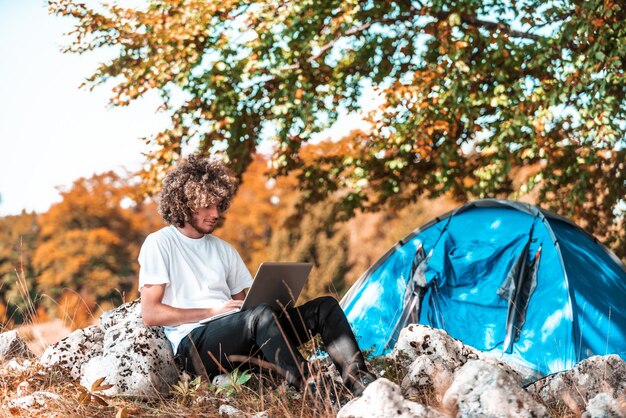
(277, 284)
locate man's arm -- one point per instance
(154, 312)
(239, 296)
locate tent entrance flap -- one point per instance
(517, 288)
(415, 291)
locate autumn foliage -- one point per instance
(508, 99)
(470, 93)
(80, 256)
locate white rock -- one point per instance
(383, 398)
(221, 380)
(419, 340)
(135, 359)
(230, 411)
(12, 345)
(590, 377)
(123, 313)
(18, 366)
(432, 357)
(426, 373)
(24, 389)
(74, 350)
(483, 389)
(604, 406)
(35, 400)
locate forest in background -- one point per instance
(474, 99)
(80, 257)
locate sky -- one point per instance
(52, 132)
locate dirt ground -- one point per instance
(41, 335)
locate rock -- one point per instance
(74, 350)
(11, 345)
(483, 389)
(135, 359)
(36, 400)
(425, 374)
(221, 380)
(590, 377)
(17, 366)
(604, 406)
(24, 388)
(419, 340)
(230, 411)
(432, 357)
(123, 313)
(383, 398)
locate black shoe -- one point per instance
(359, 384)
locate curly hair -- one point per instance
(194, 183)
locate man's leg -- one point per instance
(244, 334)
(324, 316)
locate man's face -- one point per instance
(205, 219)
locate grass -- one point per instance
(249, 392)
(254, 393)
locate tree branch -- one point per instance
(500, 26)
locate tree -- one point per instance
(470, 91)
(257, 212)
(19, 235)
(320, 240)
(89, 246)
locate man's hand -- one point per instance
(231, 305)
(154, 312)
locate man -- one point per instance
(187, 274)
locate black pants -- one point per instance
(262, 333)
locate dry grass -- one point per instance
(259, 391)
(262, 392)
(38, 336)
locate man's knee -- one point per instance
(261, 314)
(326, 304)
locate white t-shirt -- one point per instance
(198, 273)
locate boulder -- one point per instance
(417, 340)
(426, 374)
(481, 388)
(73, 351)
(135, 360)
(604, 406)
(431, 357)
(125, 312)
(586, 380)
(12, 345)
(383, 398)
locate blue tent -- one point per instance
(501, 276)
